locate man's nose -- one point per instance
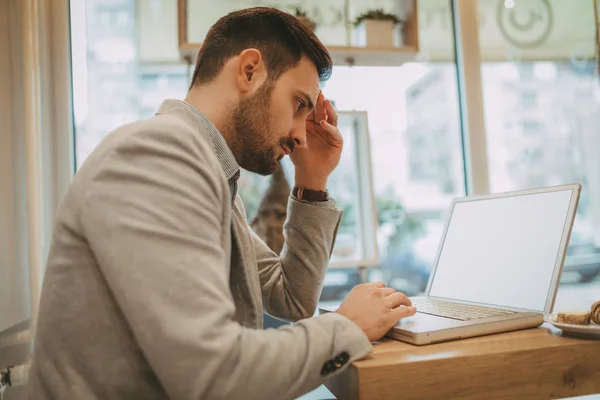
(298, 134)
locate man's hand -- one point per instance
(315, 161)
(376, 308)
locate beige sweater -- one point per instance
(155, 285)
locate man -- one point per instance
(155, 285)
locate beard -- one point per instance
(253, 133)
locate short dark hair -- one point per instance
(281, 38)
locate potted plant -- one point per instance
(377, 28)
(306, 20)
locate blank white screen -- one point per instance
(502, 251)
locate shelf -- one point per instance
(341, 55)
(356, 56)
(363, 56)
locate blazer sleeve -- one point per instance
(153, 217)
(291, 283)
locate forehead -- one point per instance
(303, 77)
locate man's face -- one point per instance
(271, 122)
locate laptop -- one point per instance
(497, 268)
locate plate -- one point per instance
(587, 331)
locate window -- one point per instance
(112, 17)
(540, 107)
(532, 127)
(114, 82)
(160, 81)
(555, 82)
(528, 98)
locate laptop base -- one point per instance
(422, 329)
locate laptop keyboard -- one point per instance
(462, 312)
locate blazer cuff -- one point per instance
(358, 342)
(331, 204)
(350, 344)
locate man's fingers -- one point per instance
(377, 284)
(320, 109)
(402, 312)
(333, 132)
(332, 116)
(386, 291)
(397, 299)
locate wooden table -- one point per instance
(529, 364)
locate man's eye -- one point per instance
(299, 104)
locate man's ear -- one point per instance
(252, 72)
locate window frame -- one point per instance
(367, 212)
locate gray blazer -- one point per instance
(155, 285)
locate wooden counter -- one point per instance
(529, 364)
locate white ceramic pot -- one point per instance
(377, 33)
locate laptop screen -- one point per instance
(502, 251)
